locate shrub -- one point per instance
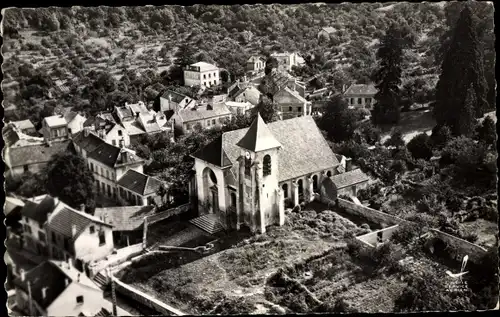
(420, 147)
(471, 237)
(404, 234)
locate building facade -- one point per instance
(292, 104)
(55, 128)
(360, 96)
(204, 116)
(201, 74)
(256, 64)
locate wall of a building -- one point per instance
(87, 244)
(34, 235)
(66, 305)
(114, 136)
(372, 238)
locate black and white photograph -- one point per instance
(250, 159)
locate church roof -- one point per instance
(258, 137)
(304, 150)
(214, 153)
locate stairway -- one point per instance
(209, 223)
(101, 281)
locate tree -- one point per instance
(69, 179)
(420, 147)
(396, 139)
(487, 132)
(271, 63)
(338, 120)
(268, 110)
(461, 90)
(388, 78)
(440, 136)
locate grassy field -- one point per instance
(201, 285)
(411, 124)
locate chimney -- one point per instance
(44, 292)
(124, 157)
(70, 264)
(56, 201)
(48, 215)
(73, 230)
(82, 207)
(23, 274)
(348, 164)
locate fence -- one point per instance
(370, 214)
(145, 299)
(372, 239)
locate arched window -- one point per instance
(267, 165)
(315, 182)
(285, 190)
(248, 165)
(301, 187)
(329, 173)
(212, 177)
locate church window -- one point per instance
(213, 178)
(233, 199)
(285, 190)
(329, 173)
(267, 165)
(248, 164)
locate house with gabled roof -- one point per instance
(326, 32)
(56, 288)
(139, 189)
(207, 116)
(55, 128)
(108, 163)
(256, 64)
(360, 95)
(26, 127)
(201, 74)
(247, 94)
(127, 222)
(244, 177)
(291, 103)
(172, 101)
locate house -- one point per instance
(239, 107)
(247, 94)
(127, 222)
(12, 211)
(73, 235)
(201, 74)
(291, 103)
(207, 116)
(139, 189)
(55, 288)
(13, 137)
(86, 141)
(55, 128)
(287, 60)
(33, 219)
(31, 157)
(326, 32)
(26, 127)
(171, 100)
(360, 95)
(245, 176)
(350, 182)
(108, 163)
(74, 121)
(256, 64)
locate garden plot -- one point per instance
(238, 274)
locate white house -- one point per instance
(360, 95)
(207, 116)
(171, 100)
(287, 60)
(239, 107)
(201, 74)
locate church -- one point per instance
(244, 177)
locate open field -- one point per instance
(198, 284)
(411, 124)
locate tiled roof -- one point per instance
(110, 155)
(253, 59)
(65, 217)
(201, 113)
(69, 116)
(38, 211)
(35, 154)
(361, 89)
(204, 66)
(294, 94)
(124, 112)
(89, 142)
(213, 153)
(55, 121)
(125, 218)
(252, 94)
(304, 150)
(176, 97)
(137, 107)
(46, 275)
(24, 124)
(349, 178)
(258, 137)
(149, 123)
(132, 128)
(139, 183)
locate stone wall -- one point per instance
(145, 299)
(168, 213)
(474, 251)
(371, 240)
(368, 213)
